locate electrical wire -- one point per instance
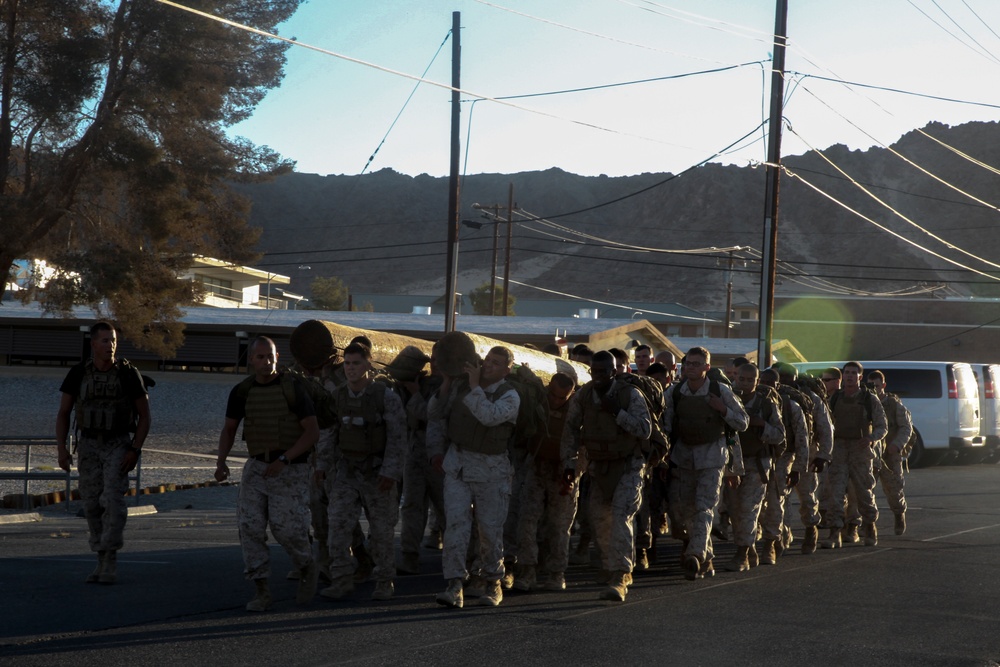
(989, 56)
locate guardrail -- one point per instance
(29, 475)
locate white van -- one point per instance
(988, 376)
(943, 398)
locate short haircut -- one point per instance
(832, 370)
(642, 347)
(619, 354)
(749, 367)
(261, 340)
(504, 352)
(656, 368)
(699, 351)
(358, 348)
(785, 368)
(581, 348)
(553, 349)
(877, 374)
(364, 340)
(603, 355)
(562, 380)
(101, 325)
(854, 364)
(771, 373)
(740, 361)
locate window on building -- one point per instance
(216, 285)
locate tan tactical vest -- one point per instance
(469, 434)
(269, 425)
(601, 435)
(102, 404)
(697, 422)
(361, 427)
(850, 419)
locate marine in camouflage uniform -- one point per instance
(890, 473)
(547, 501)
(758, 444)
(697, 419)
(362, 470)
(610, 420)
(857, 429)
(111, 402)
(423, 486)
(470, 425)
(280, 430)
(790, 466)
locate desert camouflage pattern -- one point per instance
(281, 502)
(102, 488)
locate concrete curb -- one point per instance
(20, 517)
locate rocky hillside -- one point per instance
(385, 232)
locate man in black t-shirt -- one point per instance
(112, 417)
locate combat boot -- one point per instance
(617, 588)
(692, 568)
(109, 569)
(475, 587)
(365, 564)
(581, 556)
(602, 576)
(493, 595)
(833, 540)
(433, 541)
(507, 580)
(95, 576)
(641, 559)
(555, 582)
(786, 536)
(707, 570)
(900, 523)
(410, 563)
(767, 555)
(809, 543)
(753, 560)
(526, 578)
(308, 578)
(263, 599)
(339, 588)
(739, 562)
(452, 596)
(383, 591)
(871, 535)
(850, 534)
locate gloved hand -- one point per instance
(817, 465)
(566, 484)
(792, 479)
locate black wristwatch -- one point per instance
(283, 459)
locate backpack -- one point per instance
(533, 412)
(653, 394)
(323, 401)
(806, 403)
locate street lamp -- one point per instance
(474, 224)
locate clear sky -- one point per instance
(330, 114)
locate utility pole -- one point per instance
(729, 295)
(451, 275)
(768, 265)
(493, 265)
(506, 266)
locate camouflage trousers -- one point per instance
(852, 464)
(891, 477)
(612, 513)
(102, 488)
(475, 485)
(281, 502)
(744, 503)
(698, 494)
(519, 459)
(806, 490)
(772, 516)
(351, 492)
(423, 488)
(643, 521)
(544, 505)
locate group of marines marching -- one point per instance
(620, 462)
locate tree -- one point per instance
(114, 161)
(480, 298)
(329, 293)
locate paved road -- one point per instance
(929, 598)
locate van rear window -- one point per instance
(913, 382)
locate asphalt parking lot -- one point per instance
(927, 598)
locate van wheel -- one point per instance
(918, 456)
